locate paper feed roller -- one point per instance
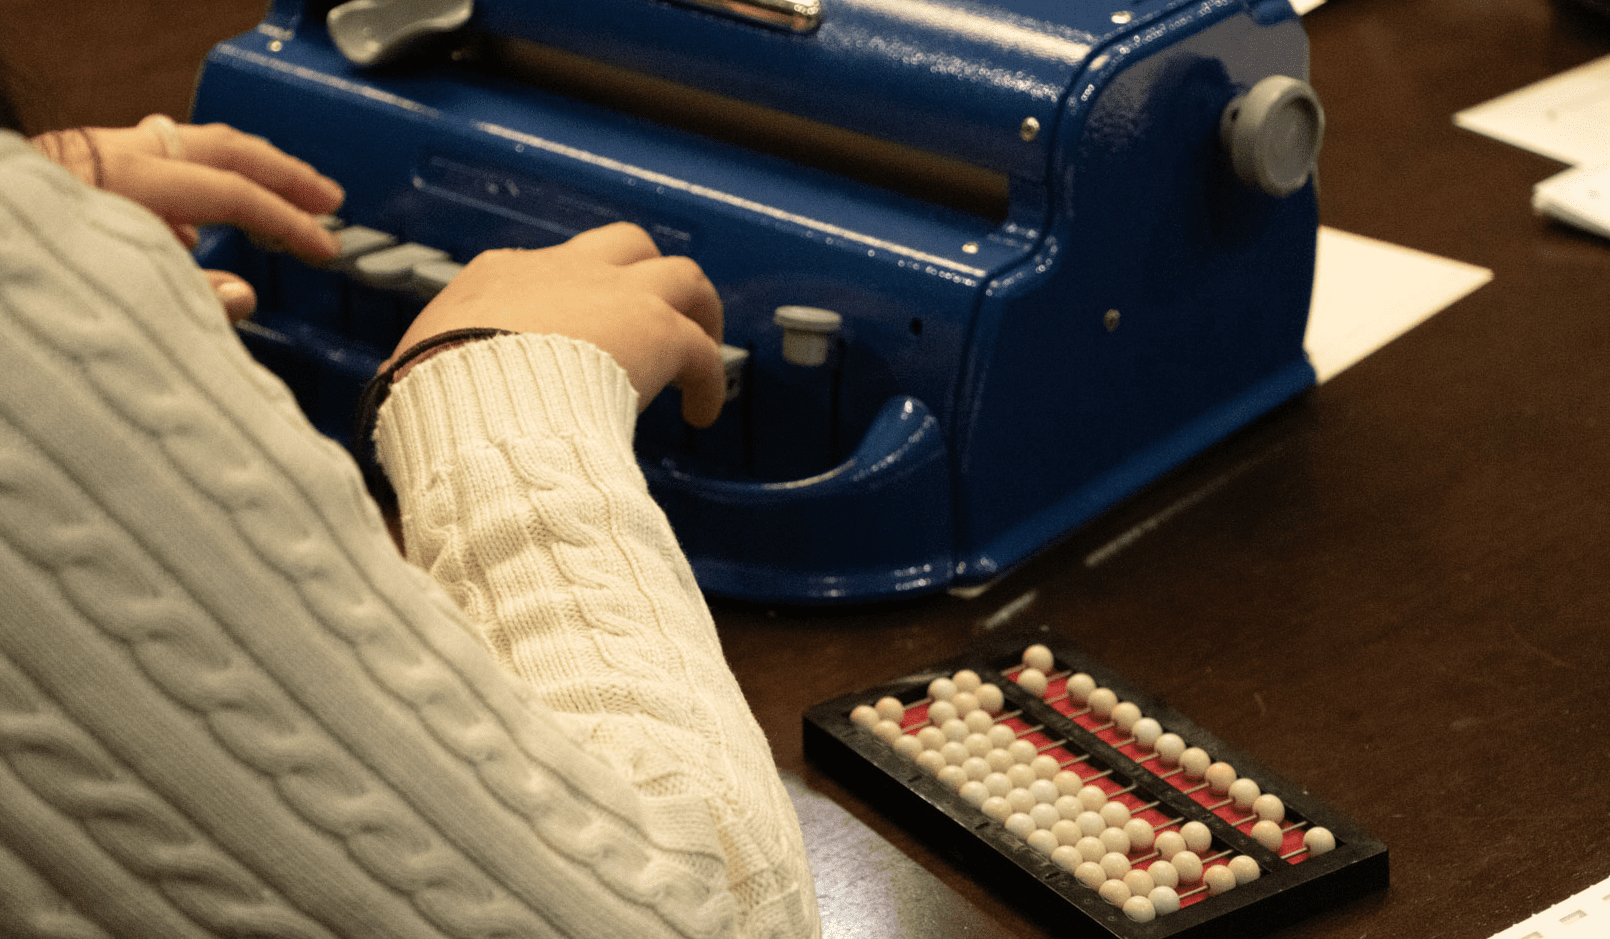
(988, 268)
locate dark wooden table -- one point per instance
(1395, 591)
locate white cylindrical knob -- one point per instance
(807, 333)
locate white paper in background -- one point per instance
(1584, 916)
(1566, 118)
(1579, 197)
(1369, 292)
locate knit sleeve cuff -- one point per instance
(493, 390)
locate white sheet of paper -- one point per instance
(1369, 292)
(1579, 197)
(1583, 916)
(1564, 117)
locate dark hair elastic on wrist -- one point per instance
(377, 388)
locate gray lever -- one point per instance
(371, 32)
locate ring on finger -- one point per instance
(166, 133)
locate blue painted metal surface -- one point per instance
(1000, 378)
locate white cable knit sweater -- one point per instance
(229, 707)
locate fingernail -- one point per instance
(239, 300)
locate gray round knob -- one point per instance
(1273, 133)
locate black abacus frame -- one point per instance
(916, 800)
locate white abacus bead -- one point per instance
(1140, 910)
(1093, 796)
(1220, 777)
(886, 730)
(1198, 837)
(864, 714)
(1115, 864)
(1066, 831)
(1195, 761)
(1139, 882)
(1069, 807)
(1020, 774)
(999, 760)
(1066, 857)
(931, 760)
(1033, 681)
(998, 784)
(1268, 806)
(1079, 687)
(941, 689)
(1114, 892)
(977, 745)
(908, 746)
(1141, 835)
(1318, 841)
(1090, 822)
(974, 792)
(1164, 874)
(1045, 766)
(979, 722)
(1042, 841)
(1165, 899)
(1020, 799)
(1125, 714)
(1147, 731)
(976, 768)
(1115, 840)
(990, 698)
(1091, 848)
(941, 711)
(997, 808)
(890, 709)
(953, 776)
(954, 752)
(1244, 792)
(1115, 814)
(1168, 844)
(954, 729)
(1000, 734)
(966, 680)
(1022, 750)
(1043, 790)
(966, 703)
(1019, 823)
(1090, 874)
(1268, 833)
(1245, 869)
(1189, 866)
(931, 737)
(1170, 748)
(1101, 702)
(1068, 782)
(1044, 815)
(1219, 879)
(1038, 656)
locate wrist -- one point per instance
(377, 388)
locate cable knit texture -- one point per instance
(229, 707)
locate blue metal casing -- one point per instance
(1001, 376)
